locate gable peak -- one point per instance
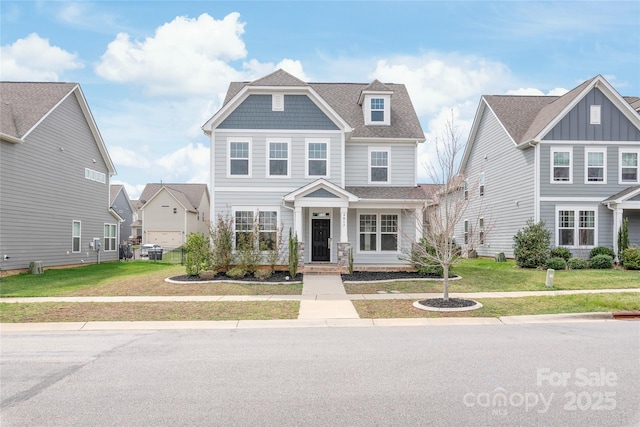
(278, 78)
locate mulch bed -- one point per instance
(451, 303)
(276, 277)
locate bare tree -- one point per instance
(450, 197)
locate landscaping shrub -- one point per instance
(623, 237)
(263, 274)
(197, 253)
(293, 253)
(601, 250)
(531, 247)
(557, 263)
(222, 243)
(425, 265)
(207, 275)
(561, 252)
(237, 273)
(577, 264)
(601, 262)
(248, 254)
(631, 258)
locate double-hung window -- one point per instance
(629, 166)
(561, 165)
(377, 109)
(239, 158)
(249, 222)
(481, 230)
(268, 229)
(576, 227)
(110, 236)
(378, 232)
(75, 236)
(317, 158)
(595, 165)
(467, 231)
(481, 183)
(379, 165)
(278, 162)
(243, 225)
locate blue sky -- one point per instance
(154, 71)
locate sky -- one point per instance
(153, 72)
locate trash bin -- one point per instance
(155, 254)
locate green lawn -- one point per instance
(486, 275)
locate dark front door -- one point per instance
(320, 240)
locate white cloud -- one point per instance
(185, 56)
(559, 91)
(190, 162)
(133, 191)
(125, 157)
(34, 59)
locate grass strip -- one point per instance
(496, 307)
(148, 311)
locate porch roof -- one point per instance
(625, 195)
(390, 193)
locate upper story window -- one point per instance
(317, 158)
(379, 165)
(595, 165)
(239, 158)
(594, 114)
(466, 189)
(376, 109)
(75, 236)
(278, 161)
(481, 183)
(629, 166)
(561, 165)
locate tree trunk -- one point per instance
(445, 271)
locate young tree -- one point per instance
(450, 198)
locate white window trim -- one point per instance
(378, 233)
(255, 210)
(588, 150)
(576, 224)
(466, 231)
(229, 141)
(628, 150)
(367, 110)
(595, 114)
(79, 236)
(383, 150)
(115, 238)
(482, 184)
(561, 150)
(481, 235)
(268, 156)
(306, 156)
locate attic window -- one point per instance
(594, 117)
(277, 102)
(377, 109)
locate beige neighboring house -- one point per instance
(169, 212)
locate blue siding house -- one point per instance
(333, 162)
(572, 161)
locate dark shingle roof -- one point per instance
(343, 98)
(622, 194)
(189, 195)
(22, 105)
(398, 193)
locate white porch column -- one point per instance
(298, 223)
(344, 236)
(617, 223)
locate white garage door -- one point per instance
(166, 239)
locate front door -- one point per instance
(320, 239)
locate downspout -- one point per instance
(536, 180)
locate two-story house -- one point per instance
(336, 163)
(54, 179)
(121, 204)
(572, 161)
(169, 212)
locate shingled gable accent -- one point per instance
(320, 184)
(188, 195)
(374, 87)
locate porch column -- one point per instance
(617, 223)
(298, 223)
(344, 236)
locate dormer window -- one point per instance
(377, 109)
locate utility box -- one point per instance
(550, 274)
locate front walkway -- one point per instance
(330, 298)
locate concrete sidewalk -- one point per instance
(330, 298)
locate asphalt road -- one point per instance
(570, 374)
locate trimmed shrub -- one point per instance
(631, 258)
(531, 247)
(197, 253)
(557, 263)
(293, 253)
(601, 262)
(577, 264)
(561, 252)
(601, 250)
(237, 273)
(262, 274)
(425, 265)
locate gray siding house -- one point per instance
(571, 161)
(54, 179)
(333, 162)
(121, 204)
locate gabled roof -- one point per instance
(188, 195)
(23, 105)
(343, 98)
(320, 183)
(114, 190)
(624, 195)
(388, 193)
